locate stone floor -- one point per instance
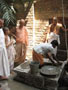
(12, 85)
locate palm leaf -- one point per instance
(7, 13)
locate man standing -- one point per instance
(21, 42)
(55, 28)
(44, 50)
(54, 31)
(4, 62)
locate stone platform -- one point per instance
(37, 80)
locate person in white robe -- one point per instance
(4, 63)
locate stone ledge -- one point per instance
(38, 80)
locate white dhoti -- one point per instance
(4, 63)
(52, 36)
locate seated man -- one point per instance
(44, 50)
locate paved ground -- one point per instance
(12, 85)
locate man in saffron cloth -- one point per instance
(54, 31)
(21, 42)
(4, 62)
(45, 50)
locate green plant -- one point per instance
(7, 13)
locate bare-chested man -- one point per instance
(54, 30)
(21, 42)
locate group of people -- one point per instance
(8, 53)
(44, 50)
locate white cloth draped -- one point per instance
(52, 36)
(4, 63)
(11, 53)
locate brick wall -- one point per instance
(39, 31)
(45, 9)
(30, 32)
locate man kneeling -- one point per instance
(45, 50)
